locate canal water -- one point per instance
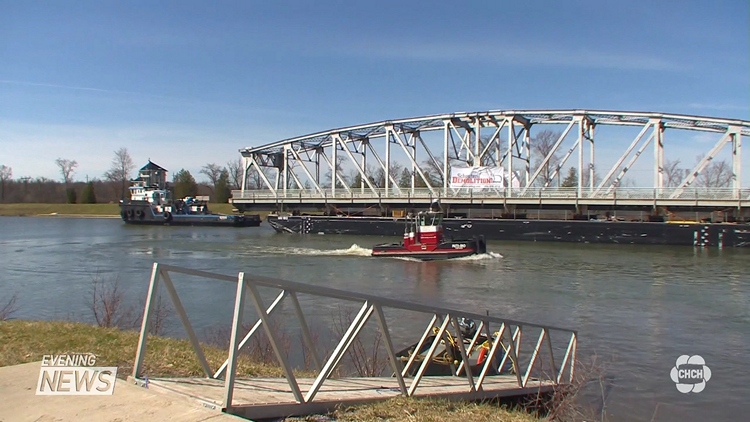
(637, 308)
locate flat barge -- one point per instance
(575, 231)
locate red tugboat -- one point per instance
(423, 240)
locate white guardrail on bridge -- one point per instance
(688, 194)
(539, 356)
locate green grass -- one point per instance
(61, 209)
(26, 341)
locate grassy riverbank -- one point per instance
(27, 341)
(59, 209)
(80, 210)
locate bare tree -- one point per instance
(586, 396)
(10, 308)
(394, 169)
(161, 311)
(255, 181)
(259, 347)
(366, 350)
(106, 303)
(122, 166)
(6, 174)
(234, 167)
(213, 172)
(433, 170)
(67, 168)
(674, 173)
(716, 174)
(541, 146)
(587, 176)
(329, 175)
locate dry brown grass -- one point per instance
(26, 341)
(426, 410)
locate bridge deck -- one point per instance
(716, 198)
(260, 398)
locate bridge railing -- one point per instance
(550, 193)
(535, 355)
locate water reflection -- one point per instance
(426, 277)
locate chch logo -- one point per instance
(690, 374)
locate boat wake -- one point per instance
(354, 250)
(479, 258)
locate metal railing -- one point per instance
(550, 193)
(503, 337)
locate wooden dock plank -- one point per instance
(272, 397)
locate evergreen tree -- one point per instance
(431, 178)
(70, 193)
(356, 181)
(184, 184)
(571, 180)
(222, 191)
(6, 174)
(404, 180)
(88, 196)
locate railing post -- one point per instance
(239, 305)
(150, 297)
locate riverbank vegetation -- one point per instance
(26, 341)
(114, 183)
(81, 210)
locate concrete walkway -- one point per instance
(128, 403)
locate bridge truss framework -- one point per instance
(311, 167)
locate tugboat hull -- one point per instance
(445, 250)
(424, 240)
(142, 213)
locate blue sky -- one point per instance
(186, 83)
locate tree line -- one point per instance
(114, 183)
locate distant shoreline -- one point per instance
(78, 210)
(61, 216)
(71, 215)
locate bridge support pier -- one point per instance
(582, 212)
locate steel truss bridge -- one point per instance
(408, 161)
